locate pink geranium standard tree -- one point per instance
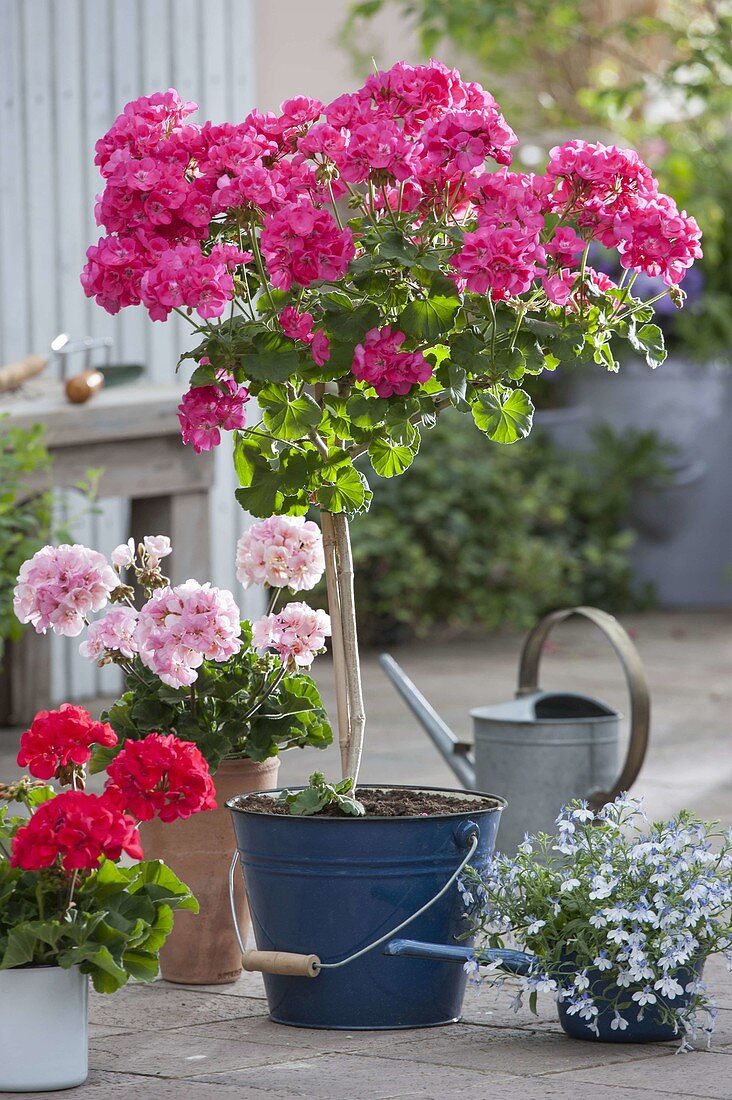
(359, 267)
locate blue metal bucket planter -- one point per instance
(332, 886)
(651, 1028)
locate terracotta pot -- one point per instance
(202, 948)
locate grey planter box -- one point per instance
(685, 528)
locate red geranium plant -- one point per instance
(65, 899)
(358, 267)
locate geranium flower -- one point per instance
(60, 585)
(380, 362)
(207, 410)
(76, 829)
(282, 552)
(178, 627)
(113, 633)
(297, 633)
(61, 739)
(160, 776)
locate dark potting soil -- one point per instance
(382, 803)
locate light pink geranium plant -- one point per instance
(191, 664)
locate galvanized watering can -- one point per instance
(544, 747)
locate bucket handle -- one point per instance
(640, 701)
(309, 966)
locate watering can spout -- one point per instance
(458, 754)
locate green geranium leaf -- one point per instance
(37, 795)
(395, 247)
(22, 942)
(203, 376)
(352, 325)
(428, 318)
(437, 354)
(263, 497)
(350, 492)
(648, 339)
(390, 458)
(319, 794)
(511, 362)
(102, 756)
(270, 366)
(288, 418)
(141, 965)
(252, 451)
(466, 352)
(505, 415)
(365, 412)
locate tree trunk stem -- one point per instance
(346, 665)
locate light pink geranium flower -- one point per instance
(297, 634)
(123, 555)
(114, 633)
(178, 627)
(60, 585)
(282, 552)
(157, 547)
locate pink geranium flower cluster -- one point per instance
(504, 254)
(282, 552)
(60, 585)
(178, 627)
(303, 244)
(181, 201)
(423, 126)
(614, 197)
(183, 276)
(206, 410)
(381, 363)
(297, 634)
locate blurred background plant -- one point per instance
(28, 518)
(25, 518)
(463, 544)
(655, 74)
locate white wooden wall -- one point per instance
(67, 67)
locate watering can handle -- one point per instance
(640, 702)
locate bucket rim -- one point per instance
(500, 804)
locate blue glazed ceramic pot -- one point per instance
(651, 1028)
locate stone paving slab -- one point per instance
(331, 1077)
(334, 1077)
(703, 1075)
(180, 1053)
(148, 1007)
(101, 1084)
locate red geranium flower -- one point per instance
(59, 739)
(160, 776)
(78, 829)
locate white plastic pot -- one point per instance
(44, 1040)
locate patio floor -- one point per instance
(200, 1042)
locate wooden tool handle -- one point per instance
(14, 374)
(282, 962)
